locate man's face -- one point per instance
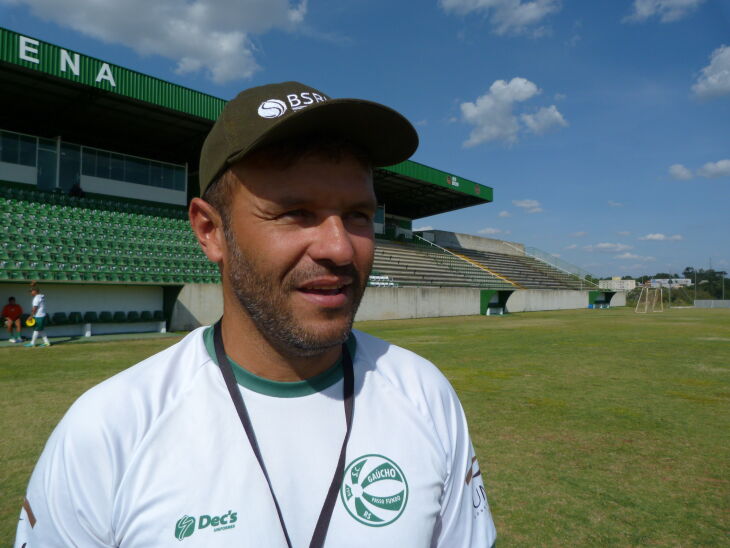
(300, 249)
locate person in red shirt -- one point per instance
(12, 313)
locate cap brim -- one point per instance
(386, 136)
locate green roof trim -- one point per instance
(31, 53)
(414, 170)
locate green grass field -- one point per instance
(593, 427)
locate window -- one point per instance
(9, 147)
(27, 150)
(102, 164)
(88, 162)
(118, 167)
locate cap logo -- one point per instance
(272, 108)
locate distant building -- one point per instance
(671, 282)
(617, 284)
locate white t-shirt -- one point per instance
(40, 302)
(157, 456)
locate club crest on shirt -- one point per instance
(374, 490)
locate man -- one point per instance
(278, 426)
(12, 313)
(38, 313)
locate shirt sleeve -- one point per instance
(70, 493)
(465, 520)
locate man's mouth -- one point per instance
(324, 290)
(331, 292)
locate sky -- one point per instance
(603, 126)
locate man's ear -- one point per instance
(207, 225)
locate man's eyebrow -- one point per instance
(301, 201)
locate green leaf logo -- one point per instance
(184, 527)
(374, 490)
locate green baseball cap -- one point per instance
(273, 113)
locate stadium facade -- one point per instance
(97, 166)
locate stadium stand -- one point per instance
(523, 271)
(54, 237)
(99, 216)
(426, 265)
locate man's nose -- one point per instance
(332, 242)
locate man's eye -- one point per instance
(361, 217)
(295, 214)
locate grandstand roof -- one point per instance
(48, 91)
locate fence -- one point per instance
(712, 304)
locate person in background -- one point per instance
(12, 313)
(39, 315)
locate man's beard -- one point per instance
(265, 301)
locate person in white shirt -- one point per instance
(279, 426)
(38, 313)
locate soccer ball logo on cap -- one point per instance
(374, 490)
(273, 108)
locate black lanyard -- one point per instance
(320, 531)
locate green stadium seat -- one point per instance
(119, 316)
(74, 317)
(145, 316)
(59, 318)
(157, 315)
(106, 316)
(91, 317)
(133, 316)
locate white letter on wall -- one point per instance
(105, 73)
(27, 47)
(70, 62)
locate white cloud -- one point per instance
(715, 169)
(560, 97)
(491, 113)
(666, 10)
(608, 247)
(209, 36)
(422, 228)
(624, 233)
(531, 206)
(632, 257)
(661, 237)
(504, 214)
(678, 171)
(507, 16)
(615, 204)
(544, 119)
(493, 118)
(715, 78)
(710, 170)
(571, 246)
(579, 234)
(492, 231)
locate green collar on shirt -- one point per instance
(280, 389)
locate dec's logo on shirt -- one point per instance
(186, 525)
